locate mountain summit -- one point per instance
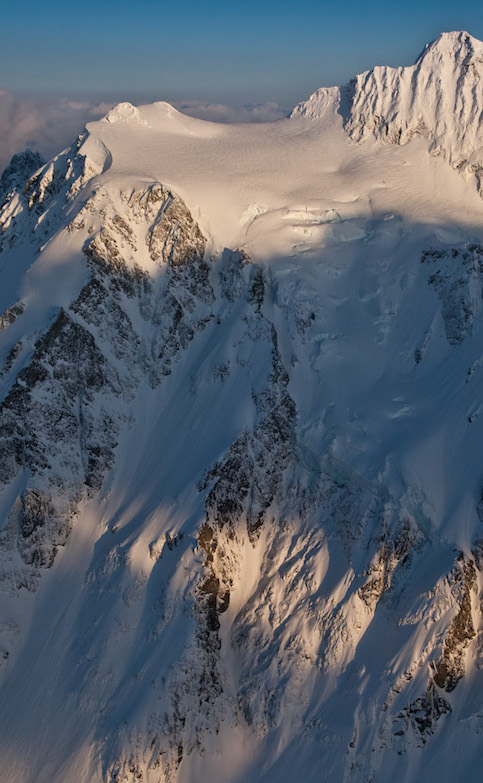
(439, 97)
(241, 383)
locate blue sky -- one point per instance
(229, 52)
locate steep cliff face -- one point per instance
(62, 415)
(438, 98)
(241, 494)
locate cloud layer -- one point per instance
(218, 112)
(48, 126)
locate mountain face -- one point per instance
(440, 97)
(240, 435)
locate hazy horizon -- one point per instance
(224, 63)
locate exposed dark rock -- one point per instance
(11, 314)
(457, 277)
(18, 172)
(257, 289)
(451, 667)
(12, 355)
(42, 529)
(421, 716)
(50, 430)
(232, 277)
(174, 237)
(247, 479)
(392, 553)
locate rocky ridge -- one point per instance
(438, 98)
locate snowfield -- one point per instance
(241, 474)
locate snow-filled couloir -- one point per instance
(240, 442)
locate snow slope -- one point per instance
(241, 477)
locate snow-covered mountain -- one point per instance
(440, 97)
(241, 471)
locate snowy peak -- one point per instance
(457, 44)
(155, 115)
(439, 97)
(319, 102)
(123, 112)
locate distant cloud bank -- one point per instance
(217, 112)
(48, 125)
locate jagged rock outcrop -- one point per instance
(456, 276)
(390, 554)
(62, 416)
(420, 718)
(451, 667)
(11, 314)
(18, 173)
(246, 482)
(51, 433)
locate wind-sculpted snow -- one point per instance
(240, 449)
